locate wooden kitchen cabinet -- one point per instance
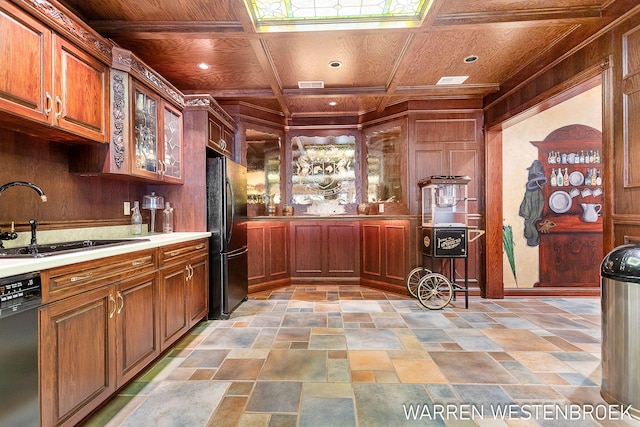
(94, 342)
(385, 252)
(47, 80)
(211, 124)
(325, 249)
(184, 297)
(268, 257)
(156, 145)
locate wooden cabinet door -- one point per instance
(26, 64)
(173, 304)
(307, 245)
(342, 253)
(137, 325)
(77, 364)
(81, 95)
(198, 289)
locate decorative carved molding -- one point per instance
(125, 60)
(205, 100)
(118, 110)
(155, 80)
(574, 133)
(71, 25)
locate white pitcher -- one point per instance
(590, 211)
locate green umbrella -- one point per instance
(507, 246)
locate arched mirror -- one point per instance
(263, 168)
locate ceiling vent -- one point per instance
(452, 80)
(311, 84)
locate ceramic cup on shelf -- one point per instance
(586, 192)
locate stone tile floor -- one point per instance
(352, 356)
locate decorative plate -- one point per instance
(576, 178)
(560, 202)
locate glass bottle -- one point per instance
(136, 219)
(587, 180)
(582, 158)
(565, 180)
(554, 178)
(558, 157)
(551, 159)
(167, 218)
(598, 178)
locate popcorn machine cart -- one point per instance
(444, 234)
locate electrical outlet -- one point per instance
(381, 207)
(127, 208)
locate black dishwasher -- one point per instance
(20, 297)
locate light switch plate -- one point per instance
(127, 208)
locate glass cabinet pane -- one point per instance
(384, 172)
(172, 144)
(146, 132)
(323, 169)
(263, 167)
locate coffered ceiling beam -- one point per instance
(546, 16)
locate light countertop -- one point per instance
(13, 266)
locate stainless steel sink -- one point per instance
(48, 249)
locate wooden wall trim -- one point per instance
(494, 287)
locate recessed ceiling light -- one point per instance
(452, 80)
(333, 103)
(335, 64)
(203, 66)
(471, 58)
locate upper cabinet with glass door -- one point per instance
(156, 137)
(146, 135)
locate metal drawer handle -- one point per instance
(200, 246)
(112, 299)
(136, 263)
(59, 107)
(76, 278)
(48, 104)
(119, 295)
(174, 253)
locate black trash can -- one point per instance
(620, 282)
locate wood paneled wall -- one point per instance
(71, 198)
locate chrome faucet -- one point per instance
(12, 234)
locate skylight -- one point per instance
(300, 15)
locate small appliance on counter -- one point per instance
(153, 202)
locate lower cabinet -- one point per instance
(325, 249)
(92, 343)
(184, 288)
(268, 258)
(104, 321)
(385, 251)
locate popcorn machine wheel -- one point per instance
(444, 234)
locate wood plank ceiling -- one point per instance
(379, 67)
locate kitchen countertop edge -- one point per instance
(14, 266)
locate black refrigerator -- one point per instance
(227, 222)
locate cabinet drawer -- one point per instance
(182, 251)
(69, 280)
